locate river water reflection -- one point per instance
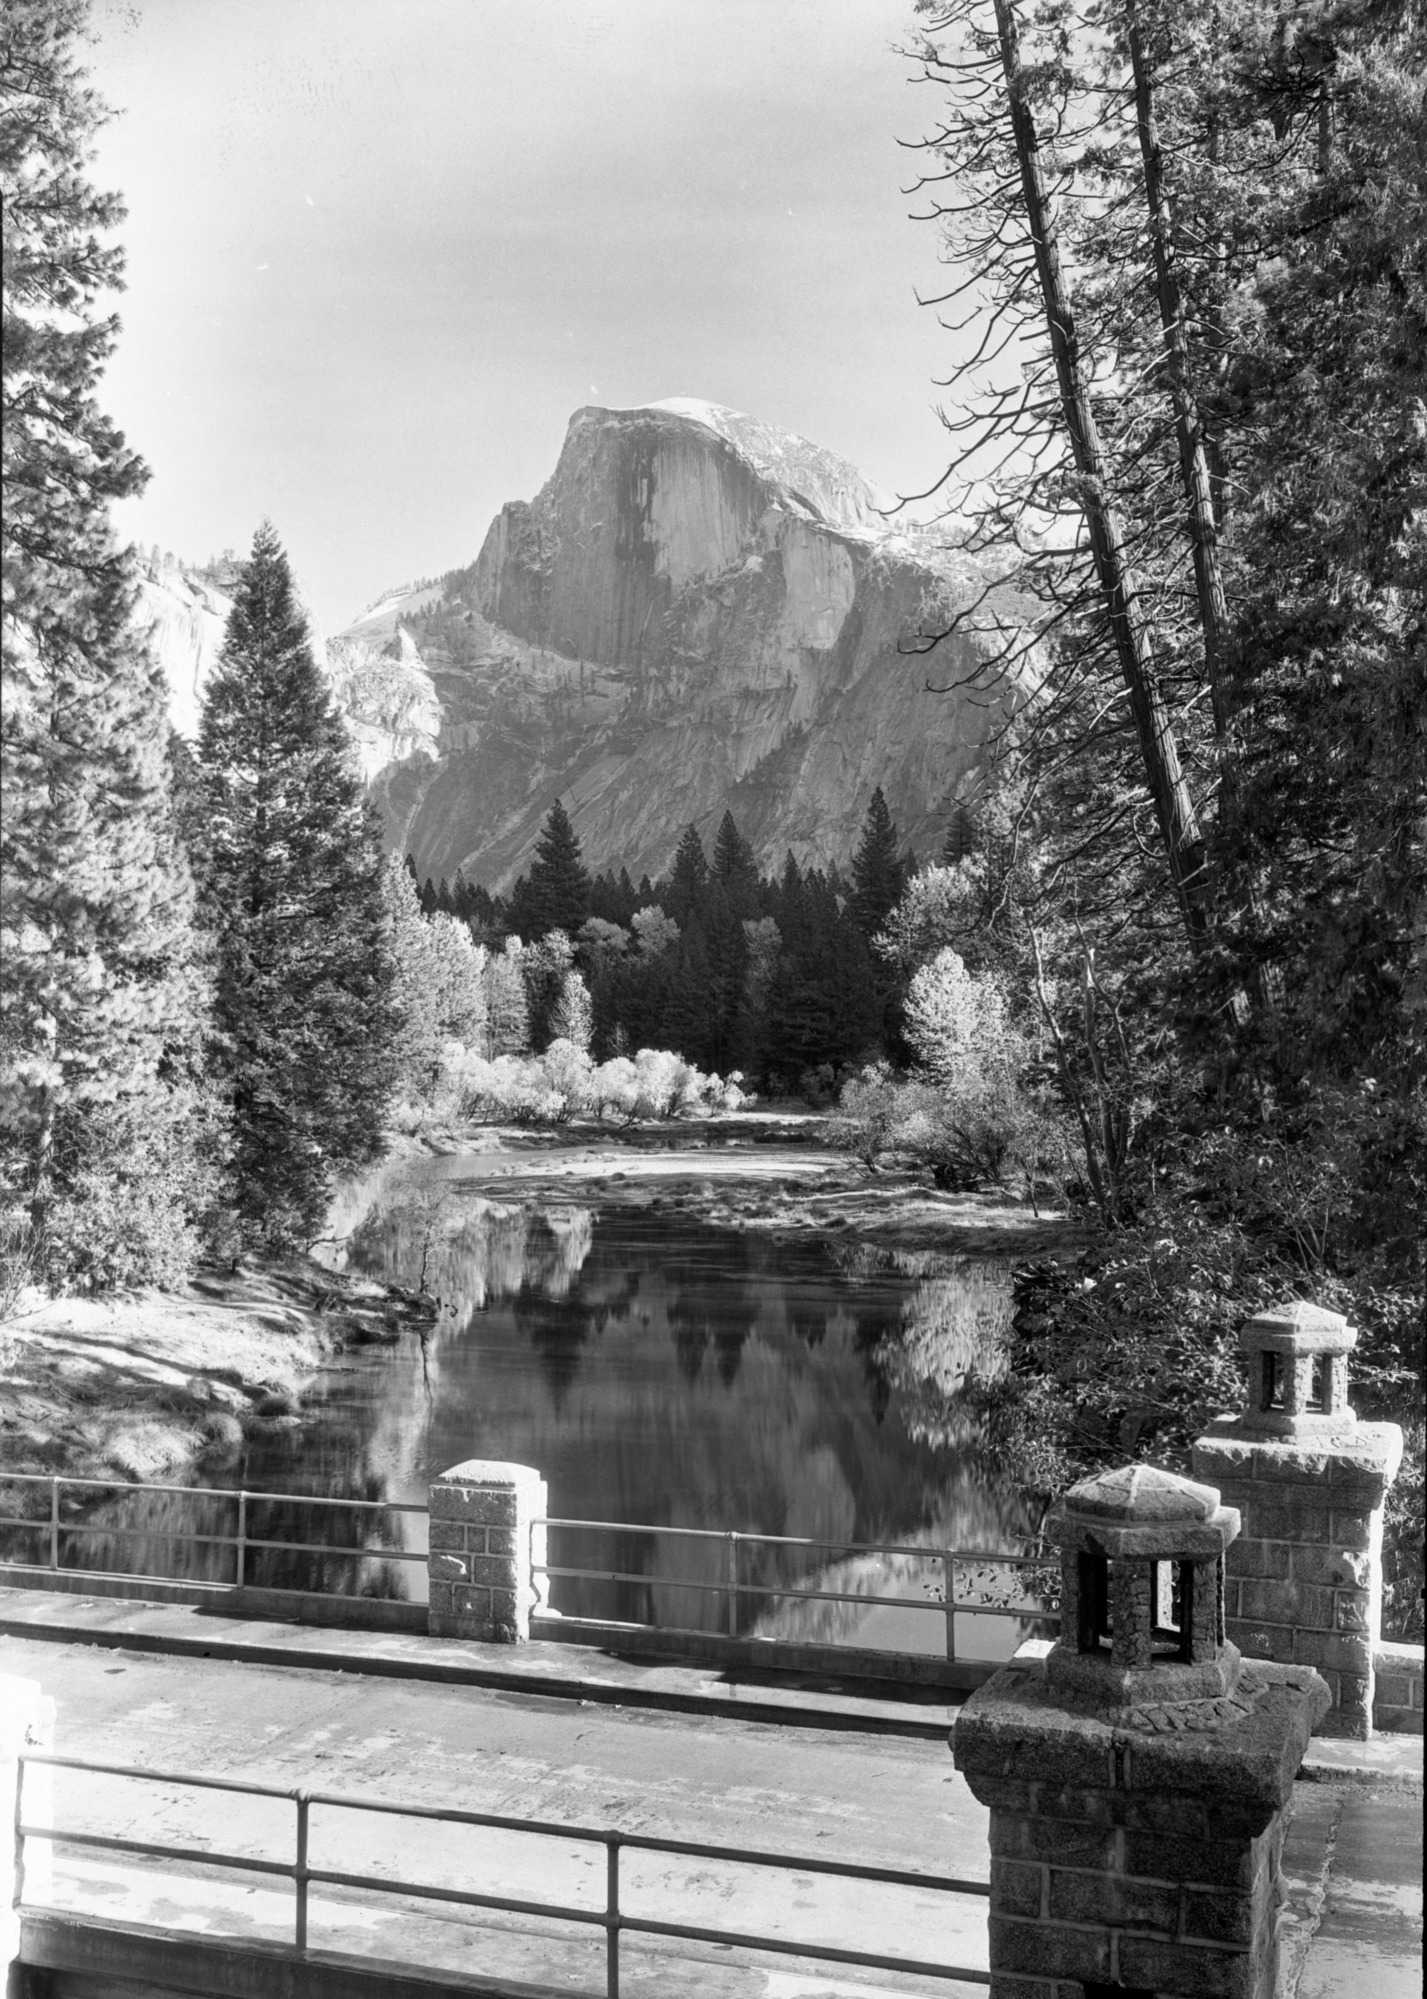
(657, 1370)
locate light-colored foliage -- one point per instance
(440, 985)
(958, 1022)
(655, 931)
(563, 1083)
(507, 1010)
(935, 910)
(572, 1018)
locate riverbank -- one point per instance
(154, 1385)
(762, 1171)
(146, 1385)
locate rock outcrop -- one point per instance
(696, 613)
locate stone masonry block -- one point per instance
(1049, 1949)
(1332, 1648)
(1286, 1603)
(1152, 1966)
(1113, 1899)
(1291, 1464)
(446, 1534)
(1064, 1844)
(1178, 1817)
(1375, 1455)
(1251, 1557)
(1359, 1484)
(472, 1506)
(1390, 1719)
(1006, 1985)
(1018, 1887)
(1218, 1460)
(1352, 1530)
(1394, 1690)
(1217, 1917)
(471, 1603)
(1094, 1808)
(438, 1600)
(1352, 1610)
(1285, 1522)
(1010, 1797)
(501, 1540)
(1261, 1641)
(1336, 1568)
(1203, 1863)
(494, 1571)
(449, 1568)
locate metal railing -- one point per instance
(53, 1527)
(735, 1585)
(962, 1591)
(612, 1918)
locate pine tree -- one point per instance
(100, 990)
(687, 878)
(555, 895)
(961, 836)
(304, 1019)
(877, 870)
(736, 867)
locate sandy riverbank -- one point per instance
(766, 1172)
(141, 1385)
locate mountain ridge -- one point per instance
(696, 613)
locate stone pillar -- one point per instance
(1138, 1773)
(1304, 1580)
(483, 1549)
(27, 1721)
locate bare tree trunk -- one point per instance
(1194, 469)
(1189, 430)
(1159, 752)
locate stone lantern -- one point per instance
(1137, 1773)
(1304, 1581)
(1298, 1372)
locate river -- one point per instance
(658, 1368)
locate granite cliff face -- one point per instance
(695, 613)
(378, 679)
(181, 613)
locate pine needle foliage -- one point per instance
(304, 1017)
(99, 985)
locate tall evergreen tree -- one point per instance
(95, 898)
(736, 867)
(877, 870)
(687, 878)
(555, 895)
(303, 1008)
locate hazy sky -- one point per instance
(379, 251)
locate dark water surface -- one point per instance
(656, 1370)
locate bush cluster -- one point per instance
(566, 1083)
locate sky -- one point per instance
(379, 251)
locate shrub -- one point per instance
(869, 1116)
(564, 1083)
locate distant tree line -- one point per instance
(774, 976)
